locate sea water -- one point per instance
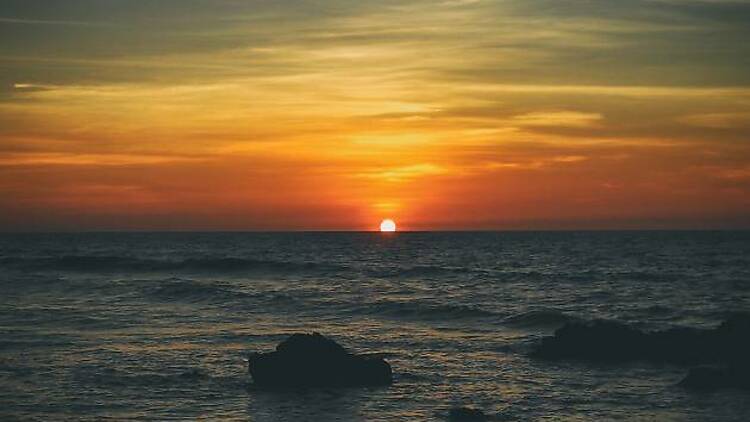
(158, 326)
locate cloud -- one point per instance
(530, 163)
(20, 88)
(718, 120)
(654, 91)
(53, 22)
(404, 173)
(557, 119)
(68, 159)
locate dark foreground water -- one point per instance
(157, 326)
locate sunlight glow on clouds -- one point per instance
(484, 114)
(558, 118)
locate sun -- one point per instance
(388, 225)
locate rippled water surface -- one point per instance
(157, 326)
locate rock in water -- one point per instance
(312, 360)
(610, 341)
(598, 340)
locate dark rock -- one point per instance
(591, 340)
(466, 414)
(312, 360)
(717, 377)
(609, 341)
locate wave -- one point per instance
(424, 310)
(191, 291)
(201, 292)
(90, 263)
(538, 318)
(421, 271)
(27, 344)
(60, 316)
(115, 377)
(658, 310)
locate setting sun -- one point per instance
(388, 225)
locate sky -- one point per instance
(336, 114)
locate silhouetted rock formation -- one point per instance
(312, 360)
(608, 341)
(458, 414)
(717, 377)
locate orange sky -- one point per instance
(312, 115)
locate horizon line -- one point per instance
(283, 231)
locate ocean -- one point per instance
(158, 326)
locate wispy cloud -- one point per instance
(404, 173)
(718, 120)
(54, 22)
(558, 118)
(68, 159)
